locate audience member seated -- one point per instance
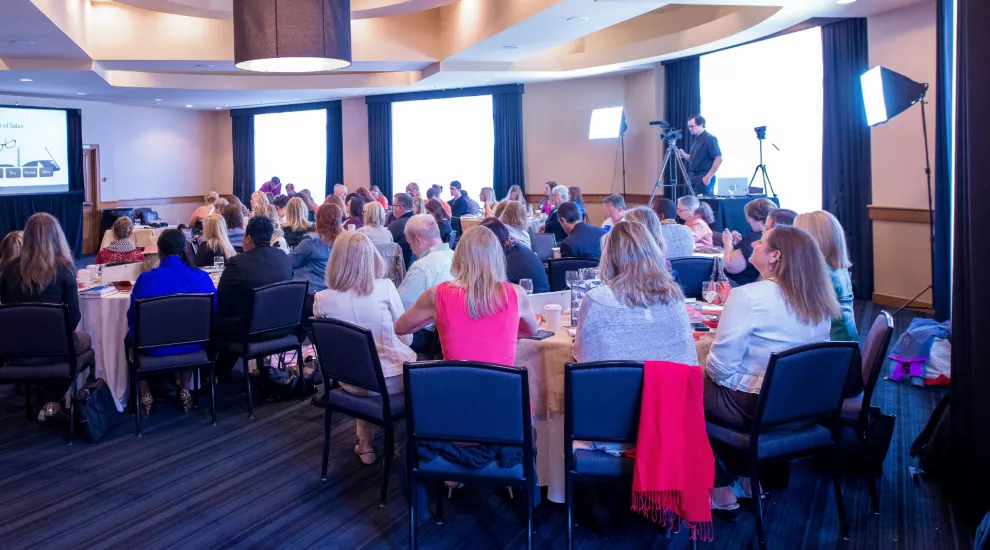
(458, 204)
(479, 315)
(280, 203)
(10, 248)
(583, 240)
(432, 267)
(121, 248)
(290, 190)
(340, 190)
(258, 199)
(615, 209)
(334, 199)
(791, 306)
(546, 203)
(402, 209)
(365, 195)
(355, 207)
(418, 206)
(648, 218)
(488, 201)
(412, 189)
(474, 207)
(679, 238)
(434, 193)
(296, 222)
(219, 205)
(434, 208)
(516, 195)
(233, 200)
(738, 248)
(831, 239)
(516, 221)
(558, 196)
(575, 196)
(278, 237)
(311, 205)
(499, 208)
(202, 212)
(696, 215)
(273, 186)
(309, 259)
(258, 266)
(520, 261)
(213, 243)
(45, 273)
(639, 297)
(357, 293)
(377, 194)
(233, 217)
(175, 274)
(374, 221)
(780, 216)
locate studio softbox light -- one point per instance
(886, 94)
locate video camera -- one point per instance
(761, 132)
(669, 134)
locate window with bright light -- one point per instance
(605, 123)
(775, 83)
(292, 146)
(436, 141)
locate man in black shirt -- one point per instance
(459, 204)
(402, 208)
(705, 156)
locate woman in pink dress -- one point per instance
(696, 215)
(479, 315)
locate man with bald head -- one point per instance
(431, 268)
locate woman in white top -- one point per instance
(793, 304)
(374, 223)
(358, 294)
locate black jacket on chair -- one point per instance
(398, 231)
(585, 241)
(553, 226)
(261, 266)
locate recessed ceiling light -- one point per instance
(80, 93)
(845, 1)
(22, 42)
(218, 108)
(27, 80)
(580, 19)
(511, 47)
(226, 105)
(188, 106)
(204, 65)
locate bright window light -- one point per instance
(605, 123)
(292, 146)
(876, 107)
(436, 141)
(775, 83)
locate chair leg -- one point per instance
(412, 509)
(72, 411)
(136, 396)
(754, 480)
(302, 374)
(387, 461)
(837, 485)
(213, 391)
(27, 402)
(569, 495)
(871, 472)
(440, 495)
(326, 442)
(528, 493)
(247, 385)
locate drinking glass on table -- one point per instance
(709, 291)
(527, 285)
(218, 262)
(572, 277)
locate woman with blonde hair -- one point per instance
(258, 199)
(296, 221)
(357, 292)
(831, 239)
(214, 242)
(200, 214)
(10, 248)
(278, 237)
(374, 223)
(514, 217)
(121, 248)
(233, 200)
(479, 315)
(696, 215)
(488, 201)
(418, 205)
(516, 195)
(650, 220)
(309, 259)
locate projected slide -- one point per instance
(33, 151)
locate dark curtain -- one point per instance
(67, 207)
(380, 147)
(683, 88)
(243, 142)
(846, 180)
(970, 389)
(335, 147)
(507, 110)
(943, 159)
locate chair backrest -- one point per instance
(602, 400)
(36, 330)
(875, 353)
(543, 244)
(277, 306)
(347, 353)
(452, 239)
(172, 320)
(557, 270)
(468, 401)
(455, 225)
(804, 384)
(394, 263)
(692, 272)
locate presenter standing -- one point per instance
(705, 156)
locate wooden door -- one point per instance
(91, 201)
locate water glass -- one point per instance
(572, 277)
(709, 291)
(218, 262)
(527, 285)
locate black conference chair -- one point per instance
(467, 401)
(36, 346)
(692, 273)
(455, 225)
(543, 244)
(273, 329)
(452, 239)
(164, 321)
(856, 409)
(347, 354)
(802, 387)
(557, 270)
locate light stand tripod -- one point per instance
(761, 134)
(674, 162)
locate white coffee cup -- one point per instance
(351, 227)
(551, 313)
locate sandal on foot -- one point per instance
(367, 458)
(186, 399)
(146, 401)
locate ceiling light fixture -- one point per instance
(204, 65)
(188, 106)
(511, 47)
(580, 19)
(80, 93)
(276, 36)
(845, 1)
(22, 42)
(27, 80)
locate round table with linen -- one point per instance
(142, 237)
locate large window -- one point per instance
(775, 83)
(292, 146)
(436, 141)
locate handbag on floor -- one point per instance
(880, 428)
(96, 409)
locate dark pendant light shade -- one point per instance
(292, 36)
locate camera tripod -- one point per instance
(672, 161)
(762, 169)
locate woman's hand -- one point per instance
(728, 241)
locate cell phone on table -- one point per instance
(541, 335)
(700, 327)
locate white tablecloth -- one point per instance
(105, 320)
(141, 237)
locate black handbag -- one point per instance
(880, 429)
(96, 409)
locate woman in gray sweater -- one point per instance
(639, 313)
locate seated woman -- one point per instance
(488, 201)
(10, 248)
(233, 200)
(516, 222)
(479, 315)
(418, 205)
(374, 223)
(45, 273)
(520, 261)
(792, 305)
(278, 237)
(696, 215)
(649, 220)
(516, 195)
(357, 293)
(309, 259)
(831, 239)
(355, 207)
(200, 214)
(738, 248)
(258, 199)
(435, 208)
(577, 197)
(234, 220)
(121, 248)
(296, 222)
(678, 238)
(434, 193)
(214, 242)
(175, 274)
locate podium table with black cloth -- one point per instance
(730, 212)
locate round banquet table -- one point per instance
(142, 237)
(544, 359)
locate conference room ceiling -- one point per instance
(176, 53)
